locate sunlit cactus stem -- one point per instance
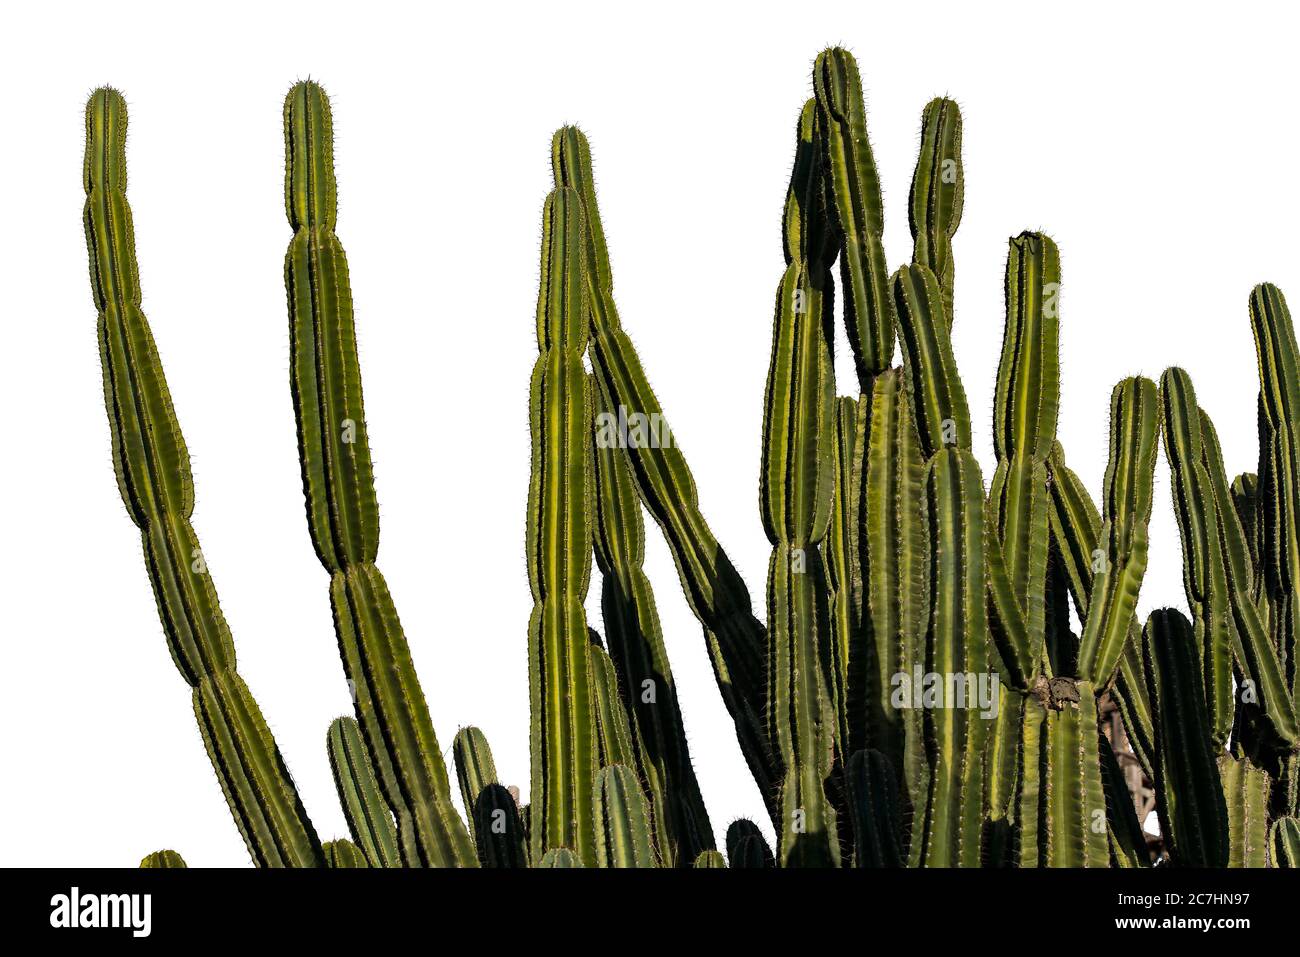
(493, 812)
(715, 591)
(559, 545)
(797, 492)
(153, 476)
(938, 194)
(342, 511)
(857, 212)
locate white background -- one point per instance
(1156, 144)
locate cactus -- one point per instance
(714, 589)
(639, 657)
(559, 544)
(746, 846)
(342, 511)
(343, 853)
(1193, 814)
(622, 820)
(889, 560)
(1284, 842)
(857, 212)
(497, 827)
(710, 859)
(1245, 793)
(369, 818)
(796, 494)
(153, 475)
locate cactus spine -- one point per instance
(342, 511)
(153, 475)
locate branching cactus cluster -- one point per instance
(938, 655)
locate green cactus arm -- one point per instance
(1024, 420)
(797, 490)
(153, 475)
(338, 485)
(1028, 390)
(560, 857)
(746, 846)
(1128, 844)
(937, 397)
(946, 832)
(1246, 500)
(857, 212)
(1189, 794)
(500, 834)
(716, 593)
(807, 230)
(1130, 471)
(796, 496)
(369, 818)
(1016, 650)
(1246, 795)
(1284, 843)
(1217, 573)
(894, 545)
(492, 810)
(1076, 527)
(253, 776)
(475, 769)
(710, 859)
(1206, 578)
(163, 859)
(640, 656)
(343, 853)
(613, 730)
(1279, 395)
(338, 481)
(872, 786)
(1063, 812)
(622, 820)
(559, 544)
(938, 192)
(844, 569)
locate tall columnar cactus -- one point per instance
(857, 212)
(889, 565)
(797, 488)
(153, 475)
(1278, 514)
(342, 511)
(938, 194)
(494, 815)
(1219, 573)
(637, 650)
(1190, 802)
(714, 589)
(369, 818)
(559, 544)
